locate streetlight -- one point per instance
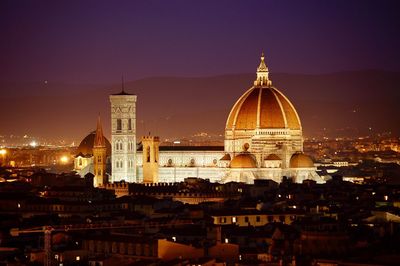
(3, 153)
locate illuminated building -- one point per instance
(99, 157)
(84, 159)
(123, 136)
(263, 140)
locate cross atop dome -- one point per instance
(262, 74)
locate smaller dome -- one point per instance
(300, 160)
(85, 148)
(272, 157)
(244, 160)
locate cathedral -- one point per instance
(263, 140)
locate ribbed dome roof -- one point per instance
(86, 145)
(264, 108)
(300, 160)
(244, 160)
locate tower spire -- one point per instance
(99, 138)
(262, 73)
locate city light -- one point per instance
(33, 144)
(64, 159)
(3, 152)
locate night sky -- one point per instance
(95, 42)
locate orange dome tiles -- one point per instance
(270, 111)
(232, 116)
(247, 114)
(263, 107)
(292, 120)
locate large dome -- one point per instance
(86, 146)
(264, 108)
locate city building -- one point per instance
(123, 136)
(263, 140)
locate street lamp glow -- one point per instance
(64, 159)
(3, 152)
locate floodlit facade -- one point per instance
(263, 140)
(123, 137)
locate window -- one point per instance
(120, 146)
(258, 219)
(246, 219)
(119, 124)
(80, 161)
(129, 124)
(148, 154)
(234, 220)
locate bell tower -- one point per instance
(99, 157)
(123, 136)
(150, 158)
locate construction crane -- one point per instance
(48, 230)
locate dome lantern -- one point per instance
(262, 74)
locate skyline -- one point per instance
(61, 60)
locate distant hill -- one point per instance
(341, 103)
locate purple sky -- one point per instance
(97, 41)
